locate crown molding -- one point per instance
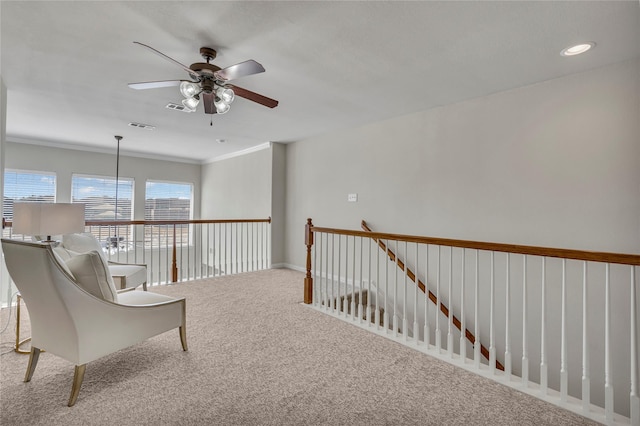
(253, 149)
(101, 150)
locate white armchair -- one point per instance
(125, 275)
(75, 311)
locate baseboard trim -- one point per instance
(287, 266)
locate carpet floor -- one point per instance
(257, 356)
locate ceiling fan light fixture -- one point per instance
(191, 103)
(189, 89)
(225, 94)
(221, 106)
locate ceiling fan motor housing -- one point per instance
(206, 74)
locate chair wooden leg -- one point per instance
(78, 376)
(33, 361)
(183, 337)
(19, 342)
(144, 286)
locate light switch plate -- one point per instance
(352, 198)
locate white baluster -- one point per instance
(492, 337)
(368, 308)
(360, 313)
(416, 333)
(507, 324)
(226, 259)
(463, 343)
(450, 322)
(525, 338)
(342, 297)
(633, 395)
(405, 330)
(327, 298)
(334, 298)
(564, 374)
(242, 258)
(377, 317)
(385, 319)
(353, 280)
(608, 379)
(438, 331)
(237, 257)
(396, 318)
(543, 332)
(477, 353)
(316, 282)
(427, 328)
(586, 398)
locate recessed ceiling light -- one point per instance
(577, 49)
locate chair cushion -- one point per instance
(140, 298)
(92, 274)
(61, 257)
(82, 243)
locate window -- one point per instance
(168, 201)
(99, 196)
(25, 186)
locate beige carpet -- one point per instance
(258, 357)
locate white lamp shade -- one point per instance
(45, 219)
(221, 106)
(225, 94)
(191, 103)
(189, 89)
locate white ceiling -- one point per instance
(332, 65)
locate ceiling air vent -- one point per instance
(177, 107)
(142, 126)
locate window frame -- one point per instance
(25, 172)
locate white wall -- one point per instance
(249, 186)
(6, 289)
(553, 164)
(65, 162)
(278, 202)
(238, 187)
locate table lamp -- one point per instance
(47, 219)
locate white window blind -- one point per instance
(99, 196)
(168, 201)
(25, 186)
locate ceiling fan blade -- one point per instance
(193, 74)
(154, 84)
(239, 70)
(253, 96)
(207, 101)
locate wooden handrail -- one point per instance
(605, 257)
(8, 223)
(445, 310)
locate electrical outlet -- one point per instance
(352, 198)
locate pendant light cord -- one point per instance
(115, 233)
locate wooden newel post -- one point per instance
(308, 280)
(174, 262)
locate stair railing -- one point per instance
(183, 250)
(548, 313)
(432, 297)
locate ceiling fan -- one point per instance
(210, 83)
